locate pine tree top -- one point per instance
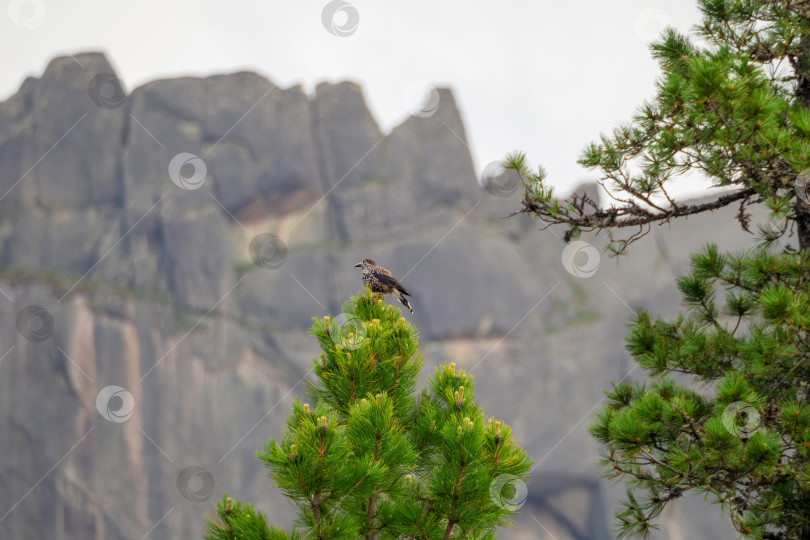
(374, 459)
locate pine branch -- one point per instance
(630, 215)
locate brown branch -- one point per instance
(689, 421)
(371, 514)
(316, 512)
(614, 217)
(451, 520)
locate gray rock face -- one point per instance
(73, 174)
(347, 134)
(149, 278)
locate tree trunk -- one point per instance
(802, 217)
(802, 208)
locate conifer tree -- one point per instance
(734, 108)
(372, 458)
(743, 442)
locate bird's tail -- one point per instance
(399, 296)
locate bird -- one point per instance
(380, 280)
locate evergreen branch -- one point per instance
(451, 518)
(630, 215)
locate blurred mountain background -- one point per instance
(190, 283)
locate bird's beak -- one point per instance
(358, 265)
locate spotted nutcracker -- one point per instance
(380, 280)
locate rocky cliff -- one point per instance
(164, 251)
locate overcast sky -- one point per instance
(546, 77)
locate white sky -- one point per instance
(545, 77)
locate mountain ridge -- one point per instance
(297, 188)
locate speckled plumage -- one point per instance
(380, 280)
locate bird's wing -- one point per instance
(387, 279)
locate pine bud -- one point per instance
(432, 426)
(459, 431)
(323, 423)
(408, 479)
(452, 367)
(306, 409)
(229, 503)
(459, 395)
(379, 399)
